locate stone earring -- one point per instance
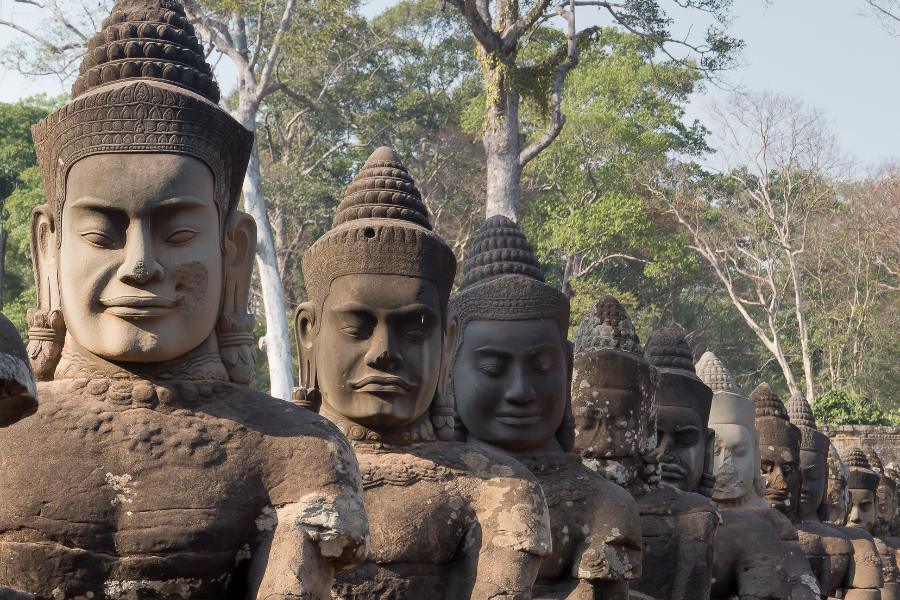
(443, 418)
(234, 333)
(46, 335)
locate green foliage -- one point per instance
(846, 407)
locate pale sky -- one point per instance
(825, 52)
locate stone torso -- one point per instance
(829, 553)
(676, 524)
(432, 507)
(749, 558)
(594, 523)
(156, 487)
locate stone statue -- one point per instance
(448, 520)
(862, 483)
(749, 555)
(885, 509)
(615, 416)
(837, 495)
(779, 444)
(18, 391)
(829, 551)
(893, 540)
(150, 469)
(18, 399)
(510, 382)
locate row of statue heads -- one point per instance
(443, 443)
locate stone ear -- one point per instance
(708, 479)
(46, 327)
(307, 394)
(234, 329)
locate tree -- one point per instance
(504, 30)
(751, 222)
(887, 13)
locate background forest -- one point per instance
(761, 240)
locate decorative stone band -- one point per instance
(511, 298)
(863, 479)
(733, 408)
(774, 431)
(143, 116)
(378, 247)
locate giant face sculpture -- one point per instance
(863, 485)
(511, 383)
(814, 447)
(613, 393)
(374, 334)
(837, 496)
(779, 444)
(379, 348)
(684, 441)
(140, 263)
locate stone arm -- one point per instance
(508, 539)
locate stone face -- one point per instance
(447, 519)
(511, 375)
(149, 468)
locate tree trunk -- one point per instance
(277, 339)
(501, 141)
(2, 261)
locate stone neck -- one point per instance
(543, 464)
(749, 500)
(200, 364)
(420, 430)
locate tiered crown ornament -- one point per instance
(607, 326)
(668, 351)
(144, 87)
(874, 460)
(861, 477)
(772, 422)
(801, 415)
(729, 405)
(502, 281)
(381, 227)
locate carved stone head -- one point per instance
(613, 393)
(685, 443)
(374, 334)
(139, 253)
(837, 495)
(863, 485)
(511, 371)
(814, 446)
(732, 417)
(779, 445)
(18, 393)
(886, 503)
(892, 472)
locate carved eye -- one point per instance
(491, 369)
(181, 236)
(98, 238)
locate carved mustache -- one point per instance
(673, 470)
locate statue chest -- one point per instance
(91, 492)
(570, 514)
(416, 513)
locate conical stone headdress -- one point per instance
(801, 415)
(381, 227)
(144, 86)
(607, 326)
(861, 477)
(874, 460)
(503, 282)
(772, 422)
(668, 351)
(729, 405)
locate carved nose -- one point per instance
(385, 360)
(140, 266)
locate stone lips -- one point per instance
(144, 86)
(502, 280)
(607, 326)
(146, 39)
(372, 235)
(861, 474)
(801, 415)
